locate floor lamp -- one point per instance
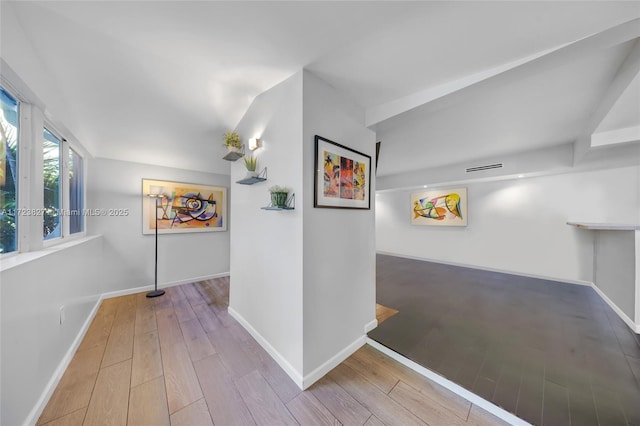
(155, 293)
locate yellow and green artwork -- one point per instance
(342, 177)
(439, 208)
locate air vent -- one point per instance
(487, 167)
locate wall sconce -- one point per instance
(254, 143)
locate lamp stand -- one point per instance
(156, 292)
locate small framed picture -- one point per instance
(343, 176)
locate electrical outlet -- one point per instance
(62, 314)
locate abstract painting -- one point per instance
(185, 207)
(443, 207)
(343, 176)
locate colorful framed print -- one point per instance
(343, 176)
(442, 207)
(183, 207)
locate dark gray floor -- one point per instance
(551, 353)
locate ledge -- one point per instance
(605, 226)
(13, 260)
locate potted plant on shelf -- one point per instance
(232, 142)
(251, 163)
(279, 195)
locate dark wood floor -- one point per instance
(551, 353)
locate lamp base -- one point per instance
(155, 293)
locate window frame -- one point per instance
(61, 173)
(19, 184)
(65, 147)
(30, 192)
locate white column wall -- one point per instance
(266, 246)
(339, 244)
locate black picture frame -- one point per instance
(342, 178)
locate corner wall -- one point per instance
(339, 244)
(302, 281)
(266, 246)
(518, 225)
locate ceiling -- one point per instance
(159, 82)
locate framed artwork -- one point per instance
(185, 207)
(343, 176)
(442, 207)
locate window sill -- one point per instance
(11, 261)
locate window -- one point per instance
(76, 193)
(27, 160)
(8, 172)
(51, 176)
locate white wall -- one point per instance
(128, 254)
(303, 281)
(266, 246)
(519, 225)
(33, 340)
(339, 244)
(615, 269)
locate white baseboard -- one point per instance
(453, 387)
(306, 381)
(333, 362)
(150, 287)
(483, 268)
(37, 410)
(282, 361)
(35, 413)
(624, 317)
(370, 325)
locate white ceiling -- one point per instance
(159, 82)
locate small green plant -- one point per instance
(232, 139)
(276, 188)
(251, 163)
(279, 195)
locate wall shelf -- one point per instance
(262, 176)
(291, 204)
(234, 155)
(277, 208)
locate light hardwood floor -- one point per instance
(180, 359)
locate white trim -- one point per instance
(370, 325)
(281, 360)
(37, 410)
(633, 326)
(333, 362)
(150, 287)
(484, 268)
(453, 387)
(306, 381)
